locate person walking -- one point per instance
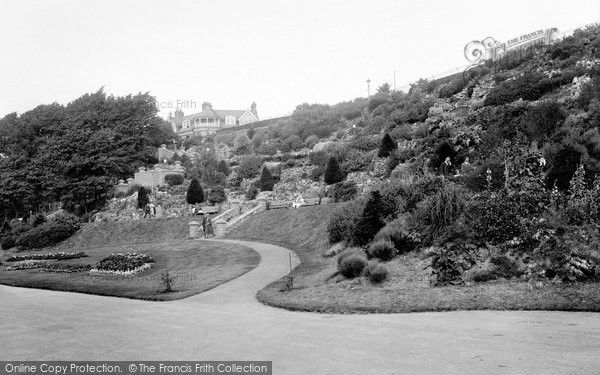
(146, 210)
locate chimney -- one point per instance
(253, 109)
(205, 106)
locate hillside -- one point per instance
(129, 233)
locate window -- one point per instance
(230, 120)
(186, 124)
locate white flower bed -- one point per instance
(132, 272)
(26, 264)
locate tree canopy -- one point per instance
(73, 154)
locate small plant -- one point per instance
(167, 281)
(375, 271)
(382, 250)
(351, 262)
(251, 193)
(174, 179)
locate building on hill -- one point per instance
(210, 120)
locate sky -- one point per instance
(231, 53)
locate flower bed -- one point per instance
(27, 264)
(123, 264)
(66, 267)
(132, 272)
(48, 256)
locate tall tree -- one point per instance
(333, 172)
(195, 194)
(386, 147)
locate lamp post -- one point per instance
(369, 88)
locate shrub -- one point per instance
(217, 195)
(351, 263)
(194, 194)
(396, 233)
(375, 271)
(343, 221)
(387, 146)
(222, 167)
(382, 250)
(344, 191)
(250, 166)
(252, 192)
(333, 173)
(438, 212)
(311, 141)
(370, 221)
(335, 249)
(142, 198)
(174, 179)
(51, 233)
(167, 280)
(496, 219)
(530, 86)
(266, 181)
(7, 241)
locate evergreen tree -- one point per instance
(386, 147)
(195, 194)
(266, 180)
(370, 222)
(333, 172)
(222, 167)
(142, 199)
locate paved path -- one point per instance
(227, 323)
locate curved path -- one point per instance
(227, 323)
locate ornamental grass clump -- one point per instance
(382, 249)
(375, 271)
(352, 262)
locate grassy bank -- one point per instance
(197, 265)
(318, 288)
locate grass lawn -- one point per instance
(316, 288)
(198, 265)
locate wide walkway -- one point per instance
(227, 323)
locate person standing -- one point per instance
(203, 222)
(208, 227)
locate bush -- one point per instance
(7, 242)
(370, 221)
(496, 219)
(440, 211)
(252, 192)
(195, 194)
(396, 233)
(375, 271)
(217, 195)
(51, 233)
(267, 181)
(250, 166)
(343, 221)
(382, 250)
(311, 141)
(333, 172)
(344, 191)
(174, 179)
(351, 263)
(530, 86)
(222, 167)
(387, 146)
